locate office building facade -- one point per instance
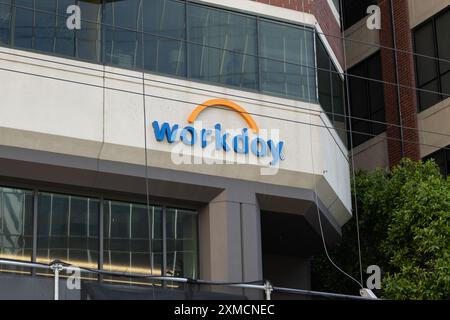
(199, 139)
(406, 111)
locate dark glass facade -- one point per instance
(331, 89)
(16, 221)
(431, 43)
(154, 240)
(171, 37)
(366, 99)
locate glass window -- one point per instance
(427, 67)
(182, 252)
(5, 22)
(16, 225)
(222, 47)
(443, 41)
(174, 37)
(330, 89)
(68, 229)
(165, 34)
(123, 33)
(431, 43)
(89, 37)
(44, 25)
(133, 238)
(366, 99)
(23, 29)
(287, 60)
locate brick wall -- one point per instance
(322, 11)
(406, 79)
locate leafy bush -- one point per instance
(404, 220)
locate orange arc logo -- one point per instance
(228, 104)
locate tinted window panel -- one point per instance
(5, 22)
(443, 40)
(88, 38)
(427, 97)
(425, 46)
(164, 25)
(123, 41)
(16, 221)
(68, 229)
(23, 32)
(223, 47)
(132, 238)
(182, 252)
(287, 60)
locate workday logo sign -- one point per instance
(195, 144)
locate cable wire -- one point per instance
(438, 59)
(347, 95)
(330, 128)
(260, 100)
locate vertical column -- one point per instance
(230, 239)
(398, 68)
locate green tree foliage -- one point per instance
(404, 220)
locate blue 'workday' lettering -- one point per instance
(240, 143)
(165, 131)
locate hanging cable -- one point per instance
(317, 200)
(347, 102)
(147, 187)
(330, 128)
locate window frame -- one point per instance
(102, 25)
(102, 197)
(365, 136)
(432, 20)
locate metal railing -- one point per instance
(59, 266)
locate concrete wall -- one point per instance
(360, 43)
(48, 106)
(434, 125)
(372, 154)
(420, 10)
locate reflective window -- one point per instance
(16, 224)
(222, 47)
(65, 38)
(172, 37)
(366, 99)
(88, 39)
(287, 60)
(182, 252)
(68, 229)
(5, 22)
(165, 34)
(41, 25)
(23, 28)
(123, 37)
(432, 42)
(133, 238)
(330, 87)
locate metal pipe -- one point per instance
(267, 286)
(319, 294)
(24, 264)
(56, 290)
